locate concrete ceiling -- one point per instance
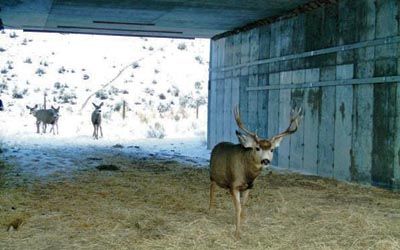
(160, 18)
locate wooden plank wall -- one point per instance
(348, 132)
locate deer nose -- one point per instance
(265, 161)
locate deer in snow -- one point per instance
(96, 121)
(44, 117)
(236, 166)
(54, 122)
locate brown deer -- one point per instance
(96, 121)
(236, 166)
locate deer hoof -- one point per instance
(237, 235)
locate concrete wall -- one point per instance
(341, 63)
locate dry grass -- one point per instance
(163, 205)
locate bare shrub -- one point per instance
(67, 96)
(162, 108)
(162, 96)
(28, 60)
(156, 131)
(19, 94)
(61, 70)
(149, 91)
(102, 95)
(182, 46)
(13, 35)
(174, 91)
(40, 72)
(199, 59)
(135, 65)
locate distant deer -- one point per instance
(44, 117)
(56, 115)
(96, 121)
(236, 166)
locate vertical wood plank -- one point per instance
(220, 57)
(211, 121)
(273, 112)
(228, 56)
(262, 107)
(253, 79)
(237, 53)
(396, 162)
(220, 89)
(254, 36)
(343, 124)
(284, 117)
(312, 112)
(235, 102)
(275, 45)
(384, 117)
(361, 152)
(245, 52)
(244, 79)
(265, 37)
(297, 139)
(220, 111)
(226, 125)
(243, 98)
(326, 131)
(251, 121)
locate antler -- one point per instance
(295, 118)
(241, 126)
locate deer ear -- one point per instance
(28, 107)
(275, 142)
(94, 105)
(35, 106)
(246, 140)
(101, 104)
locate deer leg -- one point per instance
(97, 131)
(52, 129)
(101, 131)
(236, 202)
(213, 185)
(37, 126)
(245, 196)
(94, 131)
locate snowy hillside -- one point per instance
(162, 81)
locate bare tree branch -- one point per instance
(110, 82)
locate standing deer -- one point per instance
(96, 121)
(44, 117)
(236, 166)
(54, 122)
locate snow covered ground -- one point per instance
(41, 156)
(162, 81)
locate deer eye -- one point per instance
(257, 148)
(272, 150)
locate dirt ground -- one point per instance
(163, 204)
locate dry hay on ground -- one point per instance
(162, 205)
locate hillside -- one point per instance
(161, 80)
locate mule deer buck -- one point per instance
(44, 117)
(96, 121)
(236, 166)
